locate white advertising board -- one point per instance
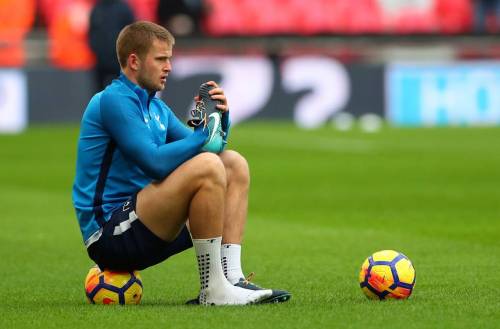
(13, 101)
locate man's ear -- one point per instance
(134, 62)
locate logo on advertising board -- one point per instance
(13, 99)
(309, 89)
(458, 94)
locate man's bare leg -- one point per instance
(196, 189)
(238, 183)
(235, 215)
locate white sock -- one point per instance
(215, 289)
(231, 262)
(207, 253)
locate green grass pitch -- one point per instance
(321, 202)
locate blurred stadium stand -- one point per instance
(56, 31)
(248, 17)
(14, 26)
(48, 38)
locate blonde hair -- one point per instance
(138, 37)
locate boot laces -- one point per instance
(249, 278)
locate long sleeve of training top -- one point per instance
(177, 130)
(123, 118)
(182, 131)
(226, 124)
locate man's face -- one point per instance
(154, 68)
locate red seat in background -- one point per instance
(344, 16)
(223, 17)
(14, 25)
(251, 17)
(454, 16)
(68, 36)
(144, 9)
(410, 20)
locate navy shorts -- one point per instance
(126, 244)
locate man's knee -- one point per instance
(236, 167)
(209, 168)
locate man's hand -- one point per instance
(215, 95)
(211, 112)
(210, 99)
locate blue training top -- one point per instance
(128, 138)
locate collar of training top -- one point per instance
(143, 94)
